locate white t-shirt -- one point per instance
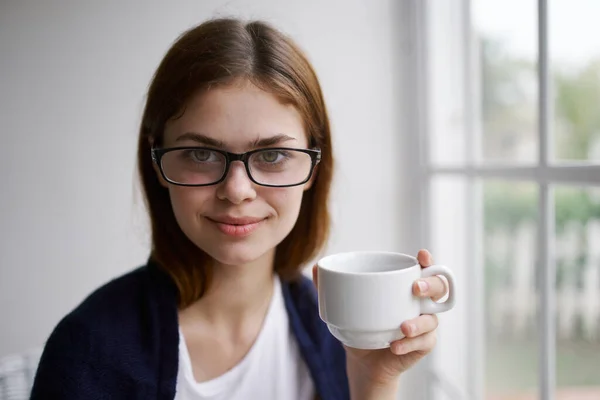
(272, 369)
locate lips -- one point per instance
(236, 226)
(236, 220)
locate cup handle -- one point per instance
(429, 306)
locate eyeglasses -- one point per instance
(203, 166)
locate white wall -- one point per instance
(72, 81)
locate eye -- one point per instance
(202, 155)
(271, 156)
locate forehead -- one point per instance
(237, 115)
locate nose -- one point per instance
(237, 186)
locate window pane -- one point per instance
(448, 216)
(578, 292)
(507, 56)
(575, 61)
(509, 247)
(446, 86)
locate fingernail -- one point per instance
(423, 286)
(397, 349)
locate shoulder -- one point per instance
(129, 315)
(302, 306)
(303, 288)
(127, 307)
(112, 306)
(113, 338)
(116, 311)
(115, 301)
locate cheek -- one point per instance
(286, 202)
(186, 202)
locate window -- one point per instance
(510, 152)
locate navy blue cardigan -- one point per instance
(122, 343)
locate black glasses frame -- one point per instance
(158, 153)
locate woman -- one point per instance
(236, 164)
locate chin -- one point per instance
(235, 254)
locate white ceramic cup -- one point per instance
(365, 296)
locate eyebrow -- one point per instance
(200, 138)
(208, 141)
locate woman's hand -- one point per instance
(374, 374)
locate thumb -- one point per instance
(315, 276)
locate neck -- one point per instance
(237, 294)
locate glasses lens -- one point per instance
(280, 167)
(197, 166)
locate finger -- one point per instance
(424, 258)
(434, 287)
(423, 344)
(315, 276)
(420, 325)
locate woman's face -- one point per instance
(236, 221)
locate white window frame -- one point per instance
(544, 174)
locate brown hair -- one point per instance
(218, 52)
